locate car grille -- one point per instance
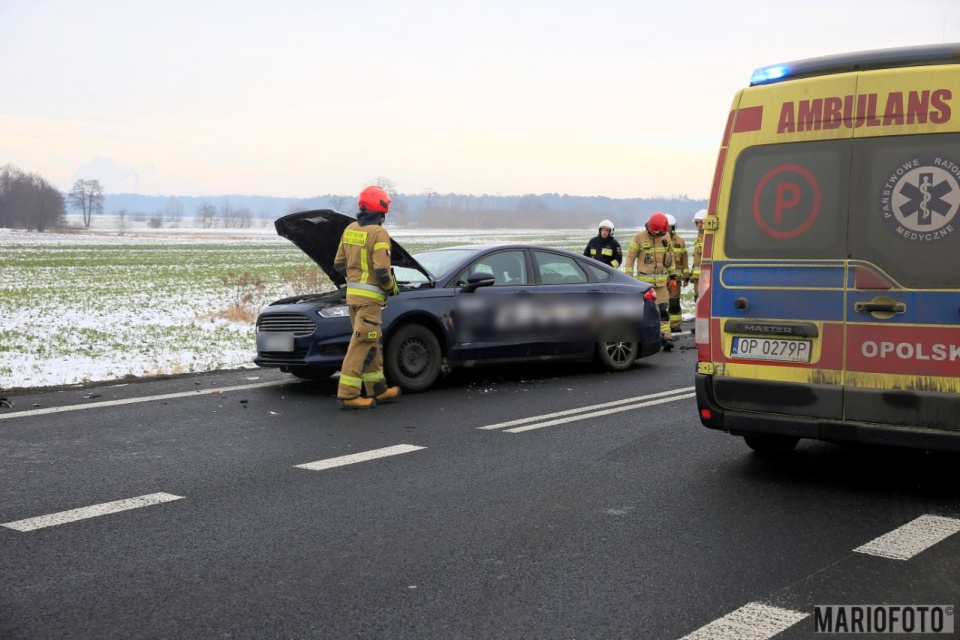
(297, 323)
(282, 357)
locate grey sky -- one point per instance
(287, 98)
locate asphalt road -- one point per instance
(623, 520)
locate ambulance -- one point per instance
(829, 302)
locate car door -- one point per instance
(494, 322)
(568, 299)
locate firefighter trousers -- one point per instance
(673, 307)
(363, 365)
(663, 302)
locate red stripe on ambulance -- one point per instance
(909, 351)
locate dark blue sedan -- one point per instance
(463, 307)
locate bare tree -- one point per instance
(206, 213)
(122, 222)
(242, 218)
(337, 202)
(226, 213)
(87, 196)
(386, 184)
(174, 211)
(28, 201)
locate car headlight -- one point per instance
(338, 311)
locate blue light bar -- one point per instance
(772, 73)
(948, 53)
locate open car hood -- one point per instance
(317, 233)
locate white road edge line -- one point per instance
(363, 456)
(568, 412)
(83, 513)
(752, 621)
(550, 423)
(912, 538)
(166, 396)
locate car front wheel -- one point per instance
(412, 358)
(617, 356)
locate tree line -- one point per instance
(28, 201)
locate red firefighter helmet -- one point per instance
(374, 199)
(658, 224)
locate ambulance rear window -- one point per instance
(903, 217)
(789, 201)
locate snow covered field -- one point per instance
(91, 305)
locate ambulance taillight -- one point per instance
(702, 323)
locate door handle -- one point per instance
(888, 307)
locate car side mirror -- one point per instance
(477, 280)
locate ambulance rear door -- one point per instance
(903, 300)
(779, 262)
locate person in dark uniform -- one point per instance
(604, 247)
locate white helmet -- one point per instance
(672, 221)
(607, 224)
(700, 215)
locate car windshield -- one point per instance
(441, 261)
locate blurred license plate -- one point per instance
(274, 342)
(771, 349)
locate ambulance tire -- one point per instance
(412, 358)
(771, 445)
(617, 356)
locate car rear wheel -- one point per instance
(617, 356)
(412, 358)
(771, 445)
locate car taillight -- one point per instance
(702, 323)
(650, 294)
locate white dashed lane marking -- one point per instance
(63, 517)
(912, 538)
(166, 396)
(363, 456)
(753, 621)
(592, 411)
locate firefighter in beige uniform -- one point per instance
(698, 219)
(681, 264)
(652, 254)
(364, 259)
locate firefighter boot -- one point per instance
(667, 344)
(357, 403)
(390, 395)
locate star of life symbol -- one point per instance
(921, 197)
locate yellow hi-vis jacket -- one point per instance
(653, 257)
(697, 256)
(680, 258)
(364, 254)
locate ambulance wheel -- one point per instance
(617, 356)
(770, 444)
(412, 359)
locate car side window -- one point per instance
(557, 269)
(599, 274)
(509, 268)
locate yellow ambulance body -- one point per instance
(829, 301)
